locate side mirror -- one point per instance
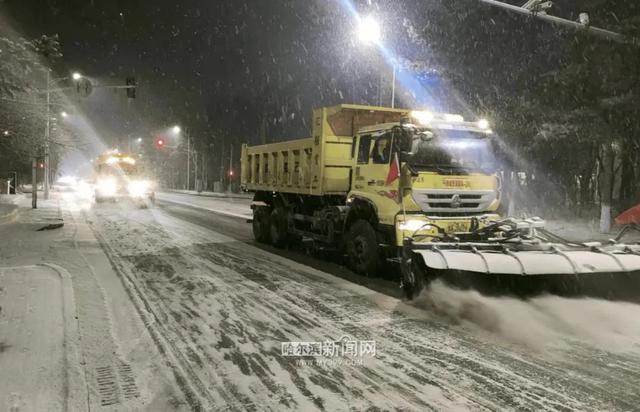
(404, 156)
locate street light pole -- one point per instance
(188, 157)
(393, 87)
(34, 183)
(46, 139)
(370, 34)
(222, 166)
(47, 131)
(230, 166)
(583, 25)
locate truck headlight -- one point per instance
(107, 187)
(423, 117)
(413, 225)
(138, 188)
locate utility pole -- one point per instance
(195, 174)
(204, 171)
(47, 138)
(393, 86)
(188, 156)
(34, 183)
(230, 165)
(222, 167)
(380, 89)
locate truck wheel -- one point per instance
(278, 230)
(362, 248)
(413, 278)
(261, 224)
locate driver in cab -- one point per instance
(382, 150)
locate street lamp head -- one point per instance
(64, 114)
(176, 129)
(76, 76)
(139, 139)
(369, 30)
(6, 133)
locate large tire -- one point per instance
(278, 227)
(261, 224)
(362, 248)
(414, 278)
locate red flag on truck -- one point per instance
(629, 217)
(394, 170)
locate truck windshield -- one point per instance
(451, 152)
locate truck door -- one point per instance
(374, 155)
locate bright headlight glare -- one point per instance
(107, 187)
(412, 225)
(138, 188)
(454, 118)
(483, 124)
(423, 117)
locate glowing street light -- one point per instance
(76, 76)
(176, 129)
(64, 114)
(139, 139)
(369, 33)
(369, 30)
(6, 133)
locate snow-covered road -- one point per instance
(221, 308)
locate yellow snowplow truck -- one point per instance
(121, 175)
(420, 189)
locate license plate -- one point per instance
(458, 227)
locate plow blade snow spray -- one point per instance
(525, 263)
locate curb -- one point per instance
(9, 216)
(76, 381)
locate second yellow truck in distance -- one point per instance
(369, 177)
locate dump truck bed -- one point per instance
(299, 166)
(318, 165)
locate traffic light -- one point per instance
(41, 165)
(231, 173)
(160, 142)
(131, 90)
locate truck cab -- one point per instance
(427, 175)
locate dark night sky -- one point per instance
(214, 64)
(203, 63)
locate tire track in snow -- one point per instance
(257, 289)
(254, 285)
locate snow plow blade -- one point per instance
(526, 266)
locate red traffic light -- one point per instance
(41, 165)
(160, 142)
(231, 172)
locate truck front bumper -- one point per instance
(433, 227)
